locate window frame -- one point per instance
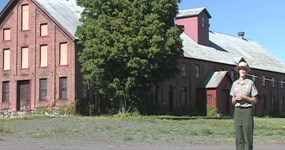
(63, 88)
(6, 61)
(183, 70)
(45, 64)
(5, 91)
(24, 58)
(63, 52)
(25, 19)
(43, 88)
(197, 71)
(5, 34)
(44, 29)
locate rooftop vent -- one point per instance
(241, 34)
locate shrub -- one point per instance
(212, 111)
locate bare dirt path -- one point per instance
(25, 143)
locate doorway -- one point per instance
(23, 95)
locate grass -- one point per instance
(141, 129)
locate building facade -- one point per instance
(39, 64)
(207, 54)
(40, 68)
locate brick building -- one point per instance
(39, 60)
(39, 66)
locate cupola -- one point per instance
(196, 24)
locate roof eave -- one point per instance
(55, 21)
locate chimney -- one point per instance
(241, 34)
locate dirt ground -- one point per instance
(27, 143)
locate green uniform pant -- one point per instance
(243, 119)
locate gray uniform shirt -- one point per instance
(248, 89)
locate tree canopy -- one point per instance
(129, 45)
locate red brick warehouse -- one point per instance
(39, 62)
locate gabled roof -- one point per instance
(216, 79)
(66, 12)
(223, 48)
(229, 50)
(192, 12)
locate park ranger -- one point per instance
(244, 96)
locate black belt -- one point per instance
(240, 107)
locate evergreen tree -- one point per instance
(129, 45)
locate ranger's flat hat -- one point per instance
(242, 65)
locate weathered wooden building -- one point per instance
(39, 60)
(207, 56)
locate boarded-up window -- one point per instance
(25, 17)
(44, 29)
(63, 54)
(5, 91)
(43, 51)
(6, 34)
(63, 87)
(6, 59)
(25, 57)
(43, 89)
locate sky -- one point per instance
(262, 21)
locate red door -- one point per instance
(23, 95)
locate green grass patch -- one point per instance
(132, 128)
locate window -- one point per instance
(24, 90)
(273, 82)
(197, 71)
(203, 22)
(43, 53)
(63, 54)
(43, 89)
(263, 80)
(183, 70)
(5, 91)
(25, 58)
(63, 87)
(44, 29)
(6, 59)
(25, 17)
(6, 35)
(209, 97)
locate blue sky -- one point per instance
(262, 20)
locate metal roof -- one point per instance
(192, 12)
(222, 49)
(66, 12)
(216, 79)
(228, 49)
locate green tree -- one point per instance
(129, 45)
